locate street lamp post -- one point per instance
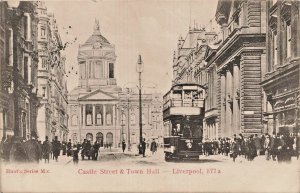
(140, 69)
(128, 119)
(122, 124)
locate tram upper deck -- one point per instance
(184, 99)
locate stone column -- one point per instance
(28, 30)
(79, 115)
(11, 47)
(113, 116)
(235, 124)
(29, 70)
(84, 115)
(228, 108)
(223, 103)
(94, 115)
(104, 115)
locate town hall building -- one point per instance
(93, 103)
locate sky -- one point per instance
(147, 27)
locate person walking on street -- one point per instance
(123, 145)
(234, 149)
(96, 147)
(69, 148)
(75, 152)
(153, 147)
(251, 149)
(143, 147)
(83, 151)
(257, 142)
(56, 148)
(46, 149)
(267, 147)
(281, 149)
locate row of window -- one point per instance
(98, 119)
(95, 69)
(287, 42)
(90, 120)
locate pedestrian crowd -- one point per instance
(17, 149)
(280, 147)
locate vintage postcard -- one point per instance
(150, 96)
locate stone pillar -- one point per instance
(235, 123)
(28, 30)
(228, 106)
(84, 115)
(104, 115)
(223, 103)
(94, 115)
(78, 114)
(11, 47)
(113, 116)
(29, 70)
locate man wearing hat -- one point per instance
(46, 148)
(56, 148)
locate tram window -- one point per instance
(201, 94)
(187, 95)
(187, 132)
(177, 95)
(178, 127)
(195, 95)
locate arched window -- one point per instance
(89, 114)
(99, 119)
(99, 69)
(74, 120)
(99, 138)
(108, 119)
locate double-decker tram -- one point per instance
(183, 112)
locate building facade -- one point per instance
(99, 109)
(190, 66)
(5, 68)
(152, 123)
(239, 62)
(19, 69)
(93, 103)
(281, 81)
(52, 112)
(232, 65)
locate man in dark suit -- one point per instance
(144, 147)
(56, 148)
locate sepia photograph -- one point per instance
(150, 96)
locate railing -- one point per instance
(183, 103)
